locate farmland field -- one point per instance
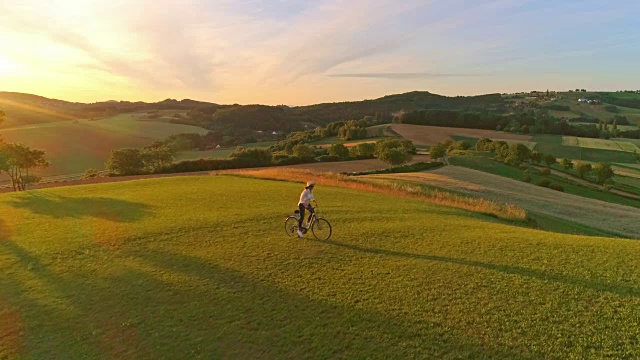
(588, 212)
(614, 145)
(183, 267)
(557, 146)
(429, 135)
(596, 111)
(73, 147)
(483, 162)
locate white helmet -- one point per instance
(311, 183)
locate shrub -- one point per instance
(544, 183)
(611, 108)
(527, 178)
(329, 158)
(294, 160)
(545, 172)
(421, 166)
(90, 173)
(263, 156)
(582, 168)
(556, 187)
(550, 160)
(566, 163)
(603, 172)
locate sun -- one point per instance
(8, 67)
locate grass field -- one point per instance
(596, 214)
(73, 147)
(184, 267)
(567, 147)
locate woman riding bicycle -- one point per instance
(303, 204)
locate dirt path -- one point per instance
(589, 212)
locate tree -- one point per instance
(155, 158)
(582, 168)
(363, 150)
(484, 144)
(603, 172)
(394, 156)
(126, 161)
(519, 152)
(567, 163)
(394, 151)
(536, 157)
(339, 150)
(260, 155)
(303, 151)
(16, 160)
(550, 159)
(438, 150)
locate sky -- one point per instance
(305, 52)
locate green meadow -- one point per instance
(185, 268)
(594, 150)
(74, 146)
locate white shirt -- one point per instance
(305, 197)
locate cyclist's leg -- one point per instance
(311, 212)
(301, 219)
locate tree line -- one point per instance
(159, 159)
(522, 122)
(518, 154)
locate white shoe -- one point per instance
(300, 234)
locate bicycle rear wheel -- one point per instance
(321, 229)
(291, 226)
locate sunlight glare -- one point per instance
(8, 67)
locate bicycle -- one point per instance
(320, 227)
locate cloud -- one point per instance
(400, 76)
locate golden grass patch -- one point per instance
(500, 210)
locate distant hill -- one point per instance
(387, 105)
(27, 109)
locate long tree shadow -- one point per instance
(5, 231)
(506, 269)
(218, 313)
(57, 206)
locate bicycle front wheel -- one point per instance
(291, 226)
(321, 229)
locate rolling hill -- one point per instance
(185, 267)
(75, 146)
